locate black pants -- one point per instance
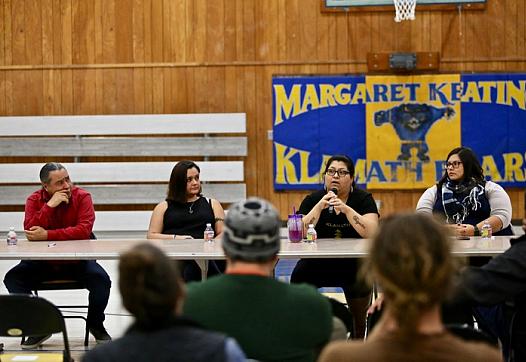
(29, 273)
(192, 273)
(340, 273)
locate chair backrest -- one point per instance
(469, 333)
(26, 315)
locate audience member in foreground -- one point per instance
(153, 293)
(340, 210)
(184, 215)
(410, 259)
(61, 211)
(500, 285)
(271, 320)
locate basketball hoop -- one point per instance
(405, 10)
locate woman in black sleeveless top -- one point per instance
(184, 215)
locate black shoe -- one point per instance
(100, 334)
(34, 342)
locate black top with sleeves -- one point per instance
(337, 226)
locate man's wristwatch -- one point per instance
(476, 231)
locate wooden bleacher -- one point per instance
(122, 160)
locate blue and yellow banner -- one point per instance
(398, 129)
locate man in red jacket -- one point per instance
(61, 211)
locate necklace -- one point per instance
(190, 211)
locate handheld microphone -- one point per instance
(331, 207)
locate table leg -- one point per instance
(203, 264)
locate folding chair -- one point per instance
(30, 316)
(66, 285)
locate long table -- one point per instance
(202, 252)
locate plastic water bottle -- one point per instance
(312, 235)
(486, 230)
(209, 233)
(11, 237)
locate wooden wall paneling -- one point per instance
(109, 96)
(139, 91)
(3, 85)
(83, 91)
(7, 33)
(157, 36)
(403, 36)
(168, 31)
(216, 89)
(190, 90)
(47, 31)
(322, 36)
(266, 44)
(179, 90)
(190, 13)
(241, 95)
(249, 30)
(66, 88)
(124, 90)
(519, 23)
(33, 98)
(138, 36)
(230, 30)
(179, 30)
(65, 32)
(453, 47)
(48, 92)
(157, 90)
(137, 31)
(361, 33)
(18, 32)
(168, 101)
(282, 36)
(498, 36)
(123, 31)
(3, 104)
(3, 18)
(66, 57)
(250, 108)
(146, 33)
(264, 124)
(292, 29)
(56, 21)
(83, 36)
(33, 44)
(56, 78)
(231, 89)
(215, 35)
(109, 56)
(342, 37)
(199, 33)
(308, 30)
(418, 34)
(201, 90)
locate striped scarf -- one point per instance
(458, 199)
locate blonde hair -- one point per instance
(411, 260)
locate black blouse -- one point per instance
(189, 218)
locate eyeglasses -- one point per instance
(341, 173)
(453, 164)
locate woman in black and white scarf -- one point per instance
(466, 199)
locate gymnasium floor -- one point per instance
(117, 318)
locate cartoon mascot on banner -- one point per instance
(411, 123)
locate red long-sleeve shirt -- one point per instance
(71, 221)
